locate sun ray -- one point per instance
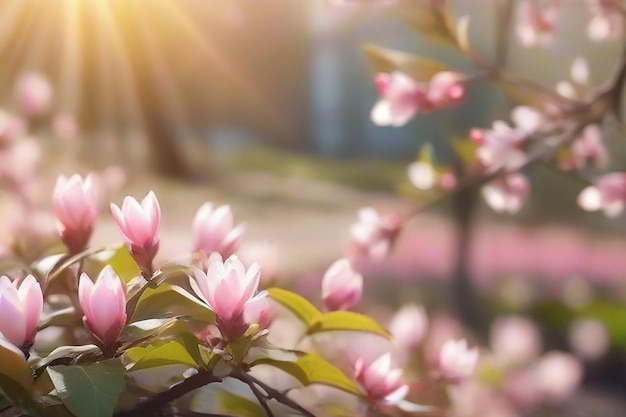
(207, 47)
(70, 63)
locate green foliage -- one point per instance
(167, 301)
(434, 22)
(346, 320)
(301, 307)
(119, 258)
(14, 369)
(311, 369)
(236, 405)
(387, 60)
(168, 353)
(89, 390)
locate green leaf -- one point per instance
(434, 22)
(89, 390)
(298, 305)
(388, 60)
(67, 317)
(14, 367)
(166, 301)
(347, 320)
(236, 405)
(169, 353)
(311, 369)
(120, 259)
(71, 353)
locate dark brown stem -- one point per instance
(259, 395)
(271, 392)
(504, 17)
(160, 400)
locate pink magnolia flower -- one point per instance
(515, 339)
(607, 194)
(227, 288)
(537, 23)
(374, 233)
(341, 286)
(213, 230)
(409, 326)
(607, 19)
(139, 225)
(34, 93)
(507, 194)
(457, 362)
(75, 203)
(20, 309)
(380, 382)
(103, 305)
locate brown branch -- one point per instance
(157, 402)
(271, 392)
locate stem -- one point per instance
(259, 395)
(157, 402)
(271, 392)
(504, 17)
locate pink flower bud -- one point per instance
(20, 309)
(589, 338)
(213, 231)
(103, 305)
(75, 207)
(537, 23)
(456, 361)
(34, 94)
(139, 225)
(380, 382)
(227, 288)
(409, 325)
(341, 286)
(607, 19)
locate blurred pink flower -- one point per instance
(20, 309)
(341, 286)
(589, 338)
(607, 194)
(409, 326)
(499, 147)
(507, 194)
(607, 19)
(557, 375)
(588, 147)
(515, 340)
(374, 233)
(65, 127)
(75, 204)
(139, 225)
(422, 175)
(537, 22)
(402, 97)
(214, 231)
(380, 382)
(11, 127)
(457, 361)
(267, 255)
(227, 288)
(34, 94)
(446, 89)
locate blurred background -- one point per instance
(265, 105)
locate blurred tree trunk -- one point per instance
(463, 296)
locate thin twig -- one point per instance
(155, 403)
(258, 394)
(271, 392)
